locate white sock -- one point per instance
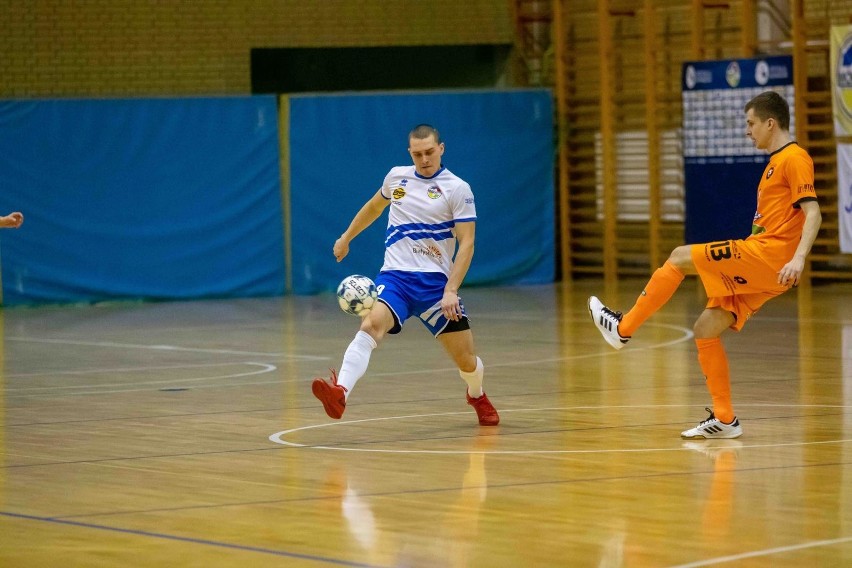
(474, 379)
(355, 361)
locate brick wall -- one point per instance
(59, 48)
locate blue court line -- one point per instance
(240, 547)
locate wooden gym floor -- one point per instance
(185, 434)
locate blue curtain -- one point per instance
(500, 142)
(143, 198)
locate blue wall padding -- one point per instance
(500, 142)
(147, 198)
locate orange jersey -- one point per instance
(741, 275)
(778, 221)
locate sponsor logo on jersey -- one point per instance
(399, 193)
(468, 200)
(431, 251)
(434, 192)
(806, 188)
(731, 282)
(770, 172)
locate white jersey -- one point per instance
(423, 213)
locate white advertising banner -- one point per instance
(841, 79)
(844, 196)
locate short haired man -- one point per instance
(739, 275)
(431, 210)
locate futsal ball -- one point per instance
(356, 295)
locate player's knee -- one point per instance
(712, 323)
(376, 333)
(375, 327)
(702, 331)
(681, 257)
(466, 364)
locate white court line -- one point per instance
(266, 368)
(278, 437)
(687, 335)
(162, 348)
(114, 391)
(121, 370)
(765, 552)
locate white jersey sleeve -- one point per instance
(461, 201)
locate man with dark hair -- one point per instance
(423, 131)
(431, 210)
(770, 105)
(739, 275)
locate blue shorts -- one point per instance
(416, 294)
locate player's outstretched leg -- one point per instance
(330, 394)
(713, 428)
(485, 411)
(607, 320)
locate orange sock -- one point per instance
(714, 365)
(657, 292)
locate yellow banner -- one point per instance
(841, 79)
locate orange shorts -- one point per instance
(736, 277)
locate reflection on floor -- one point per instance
(185, 434)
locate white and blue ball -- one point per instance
(357, 295)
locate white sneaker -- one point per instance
(714, 428)
(607, 322)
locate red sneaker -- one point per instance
(485, 411)
(331, 395)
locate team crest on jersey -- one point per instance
(399, 193)
(770, 172)
(434, 192)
